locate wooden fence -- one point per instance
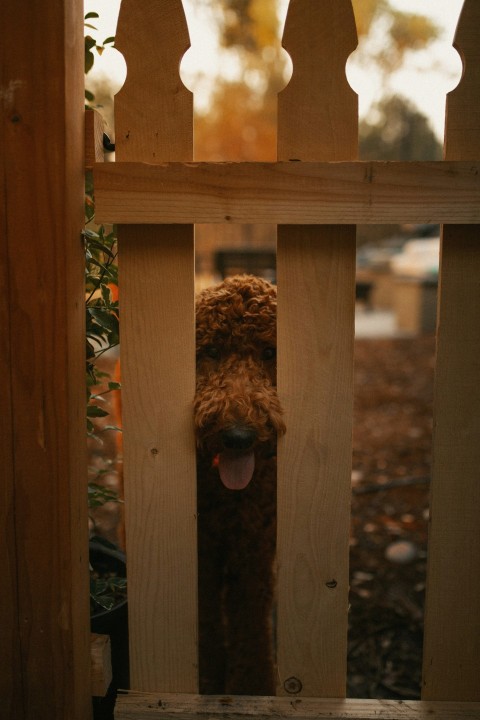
(45, 604)
(315, 192)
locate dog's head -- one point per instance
(237, 411)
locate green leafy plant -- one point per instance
(102, 321)
(91, 45)
(108, 582)
(102, 335)
(107, 586)
(107, 592)
(99, 494)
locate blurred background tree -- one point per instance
(401, 33)
(240, 122)
(396, 130)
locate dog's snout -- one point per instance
(238, 438)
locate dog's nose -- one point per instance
(238, 438)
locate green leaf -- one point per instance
(89, 57)
(106, 319)
(90, 234)
(89, 60)
(95, 411)
(90, 350)
(109, 40)
(114, 386)
(99, 494)
(105, 601)
(116, 583)
(102, 247)
(96, 262)
(98, 586)
(91, 15)
(111, 271)
(106, 294)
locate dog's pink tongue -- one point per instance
(236, 470)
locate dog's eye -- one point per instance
(212, 351)
(269, 353)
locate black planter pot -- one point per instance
(107, 558)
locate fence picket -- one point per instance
(317, 120)
(316, 276)
(452, 624)
(156, 269)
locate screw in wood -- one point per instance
(292, 685)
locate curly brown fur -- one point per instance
(237, 419)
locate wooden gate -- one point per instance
(317, 192)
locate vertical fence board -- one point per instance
(317, 120)
(46, 626)
(156, 271)
(10, 665)
(452, 625)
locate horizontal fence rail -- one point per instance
(289, 193)
(144, 706)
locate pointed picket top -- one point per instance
(462, 134)
(153, 110)
(318, 110)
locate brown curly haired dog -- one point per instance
(237, 419)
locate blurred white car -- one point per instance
(419, 258)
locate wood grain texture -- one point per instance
(94, 128)
(101, 664)
(289, 192)
(156, 276)
(153, 110)
(46, 623)
(452, 626)
(10, 659)
(135, 706)
(317, 121)
(317, 106)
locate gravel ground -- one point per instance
(390, 483)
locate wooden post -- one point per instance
(44, 610)
(154, 116)
(317, 120)
(452, 625)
